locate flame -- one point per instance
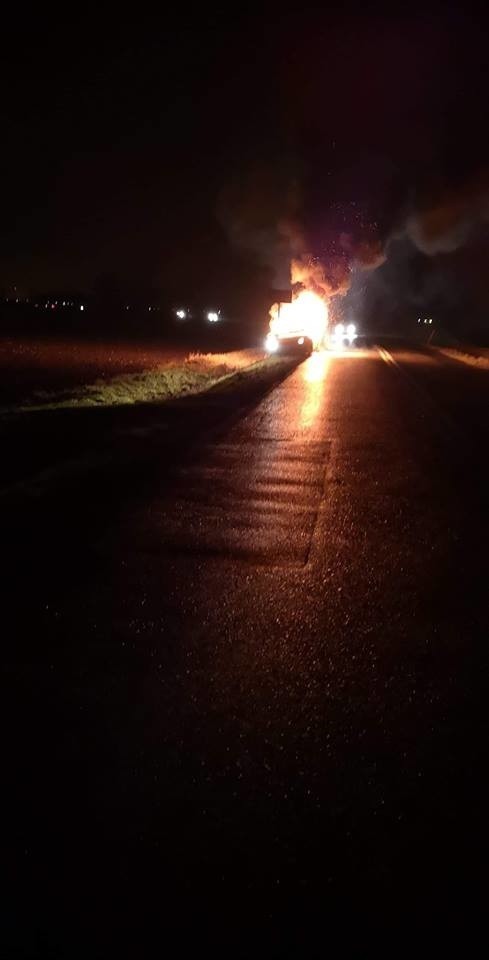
(306, 316)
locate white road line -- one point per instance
(387, 357)
(448, 423)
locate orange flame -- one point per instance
(306, 316)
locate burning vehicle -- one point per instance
(306, 315)
(300, 324)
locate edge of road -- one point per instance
(438, 414)
(473, 356)
(127, 439)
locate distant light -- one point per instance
(149, 308)
(431, 319)
(212, 316)
(81, 306)
(300, 341)
(53, 306)
(181, 314)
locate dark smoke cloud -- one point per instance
(450, 286)
(448, 222)
(434, 261)
(416, 256)
(263, 213)
(260, 212)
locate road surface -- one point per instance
(247, 694)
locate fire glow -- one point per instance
(306, 316)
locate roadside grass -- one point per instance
(198, 372)
(58, 439)
(479, 358)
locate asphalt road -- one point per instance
(247, 694)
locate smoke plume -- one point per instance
(259, 212)
(449, 221)
(262, 212)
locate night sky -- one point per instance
(196, 155)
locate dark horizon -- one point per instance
(196, 159)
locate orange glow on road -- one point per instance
(316, 367)
(315, 371)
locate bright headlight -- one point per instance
(351, 329)
(271, 343)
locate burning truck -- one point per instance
(303, 324)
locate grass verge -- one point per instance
(197, 373)
(481, 361)
(54, 444)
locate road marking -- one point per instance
(449, 425)
(387, 357)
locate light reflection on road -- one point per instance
(315, 371)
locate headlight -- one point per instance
(271, 343)
(351, 329)
(212, 316)
(339, 329)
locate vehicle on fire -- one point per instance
(298, 325)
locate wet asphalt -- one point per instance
(246, 697)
